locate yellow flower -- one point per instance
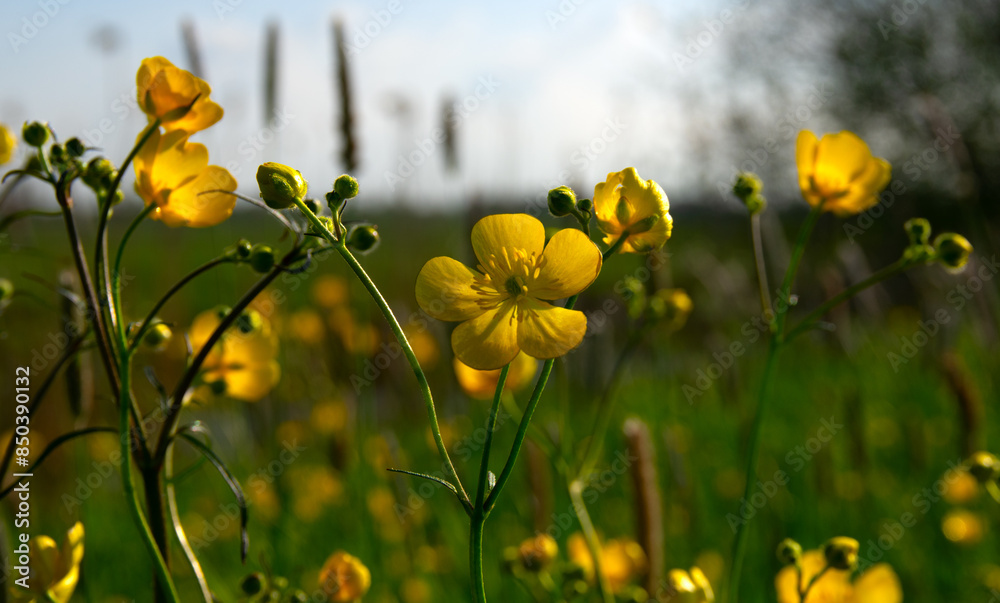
(504, 304)
(7, 144)
(244, 362)
(344, 578)
(166, 92)
(690, 586)
(962, 527)
(840, 172)
(55, 570)
(538, 553)
(878, 584)
(625, 202)
(621, 560)
(483, 384)
(171, 173)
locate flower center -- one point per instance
(508, 273)
(514, 286)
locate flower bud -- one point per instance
(218, 387)
(75, 147)
(562, 201)
(952, 250)
(312, 205)
(96, 171)
(346, 187)
(280, 185)
(538, 553)
(984, 466)
(747, 187)
(35, 133)
(253, 584)
(261, 258)
(157, 337)
(841, 553)
(789, 552)
(334, 201)
(6, 289)
(363, 238)
(243, 248)
(918, 230)
(673, 306)
(249, 321)
(221, 311)
(585, 206)
(57, 153)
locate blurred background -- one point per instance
(446, 112)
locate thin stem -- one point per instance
(175, 519)
(418, 371)
(479, 513)
(52, 446)
(166, 584)
(147, 322)
(888, 271)
(116, 274)
(793, 265)
(576, 489)
(761, 265)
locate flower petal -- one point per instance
(571, 263)
(188, 206)
(444, 290)
(511, 231)
(805, 158)
(864, 189)
(844, 154)
(546, 331)
(488, 341)
(878, 585)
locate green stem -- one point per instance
(576, 488)
(418, 371)
(793, 265)
(166, 583)
(760, 265)
(479, 513)
(879, 276)
(175, 519)
(116, 274)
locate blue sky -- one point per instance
(551, 91)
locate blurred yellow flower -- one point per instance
(503, 306)
(878, 584)
(840, 172)
(166, 92)
(329, 417)
(344, 578)
(621, 560)
(483, 384)
(962, 489)
(307, 326)
(172, 174)
(538, 553)
(690, 586)
(425, 347)
(245, 363)
(626, 202)
(330, 291)
(55, 571)
(314, 490)
(962, 527)
(7, 144)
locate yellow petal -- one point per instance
(190, 205)
(444, 290)
(511, 231)
(482, 384)
(606, 200)
(843, 153)
(488, 341)
(546, 331)
(7, 144)
(864, 190)
(45, 563)
(571, 263)
(805, 156)
(878, 585)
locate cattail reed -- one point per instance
(344, 91)
(648, 507)
(970, 403)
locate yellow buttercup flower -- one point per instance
(690, 586)
(344, 578)
(840, 172)
(626, 202)
(504, 305)
(7, 144)
(242, 365)
(172, 174)
(878, 584)
(167, 92)
(962, 527)
(538, 553)
(55, 570)
(621, 560)
(483, 384)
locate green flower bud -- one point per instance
(243, 248)
(585, 206)
(363, 238)
(346, 187)
(984, 466)
(221, 311)
(918, 230)
(6, 289)
(253, 584)
(313, 205)
(249, 321)
(35, 133)
(96, 171)
(157, 337)
(841, 553)
(218, 387)
(118, 198)
(747, 184)
(298, 597)
(334, 201)
(952, 250)
(919, 253)
(261, 258)
(789, 552)
(562, 201)
(75, 147)
(280, 185)
(57, 153)
(755, 204)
